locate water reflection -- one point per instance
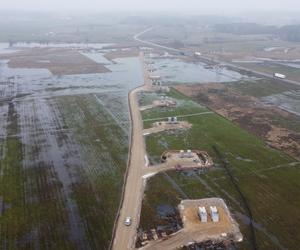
(175, 70)
(126, 74)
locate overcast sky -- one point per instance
(201, 6)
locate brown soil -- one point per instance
(192, 221)
(250, 113)
(57, 60)
(196, 232)
(164, 126)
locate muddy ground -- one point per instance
(59, 61)
(250, 113)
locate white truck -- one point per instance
(280, 76)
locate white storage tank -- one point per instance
(214, 214)
(181, 154)
(202, 214)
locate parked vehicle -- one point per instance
(127, 221)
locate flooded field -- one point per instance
(267, 178)
(178, 71)
(271, 92)
(56, 45)
(289, 100)
(60, 176)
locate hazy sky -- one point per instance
(201, 6)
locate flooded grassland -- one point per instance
(175, 70)
(60, 176)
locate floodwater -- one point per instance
(55, 160)
(97, 57)
(125, 75)
(178, 71)
(270, 49)
(63, 45)
(289, 101)
(4, 48)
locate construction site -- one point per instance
(188, 158)
(204, 220)
(171, 124)
(163, 102)
(210, 218)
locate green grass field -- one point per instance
(268, 178)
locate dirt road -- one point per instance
(137, 175)
(125, 235)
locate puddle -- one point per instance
(165, 210)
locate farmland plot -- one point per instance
(267, 178)
(60, 177)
